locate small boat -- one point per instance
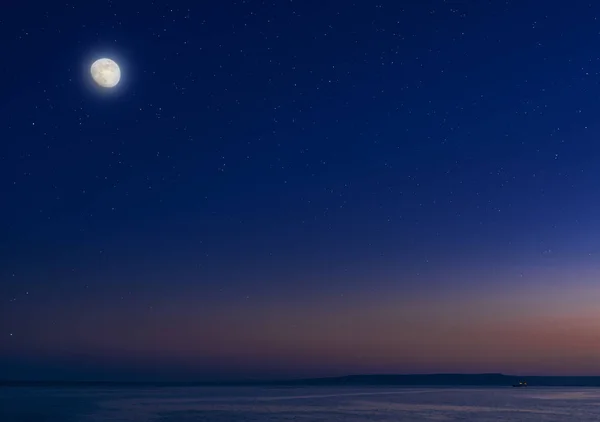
(520, 384)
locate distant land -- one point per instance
(416, 380)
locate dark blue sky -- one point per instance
(299, 187)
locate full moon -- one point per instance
(106, 73)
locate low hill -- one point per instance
(414, 380)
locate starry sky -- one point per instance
(299, 188)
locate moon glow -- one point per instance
(106, 73)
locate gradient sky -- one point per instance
(299, 188)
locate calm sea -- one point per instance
(298, 404)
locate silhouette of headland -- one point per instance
(415, 380)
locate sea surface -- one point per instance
(224, 404)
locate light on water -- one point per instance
(300, 404)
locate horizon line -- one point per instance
(250, 381)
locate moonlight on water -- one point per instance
(106, 73)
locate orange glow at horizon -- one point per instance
(554, 329)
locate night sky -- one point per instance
(299, 188)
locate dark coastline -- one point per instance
(429, 380)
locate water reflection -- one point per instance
(259, 404)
